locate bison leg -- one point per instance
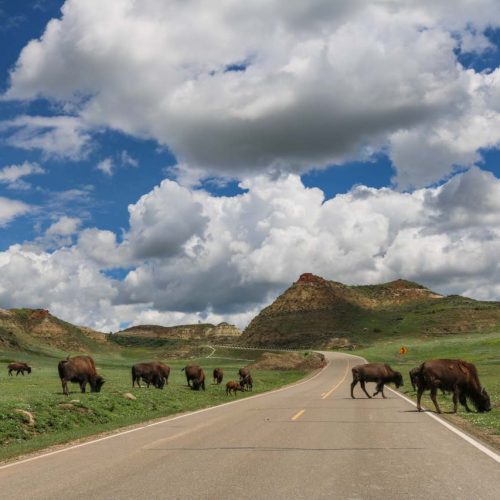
(65, 387)
(362, 382)
(17, 373)
(353, 384)
(455, 399)
(420, 391)
(83, 385)
(463, 402)
(10, 373)
(379, 388)
(434, 400)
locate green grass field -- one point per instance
(58, 420)
(481, 349)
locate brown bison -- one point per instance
(81, 370)
(234, 386)
(246, 380)
(218, 375)
(19, 367)
(454, 375)
(195, 377)
(379, 373)
(155, 373)
(247, 383)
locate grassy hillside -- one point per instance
(315, 312)
(37, 329)
(59, 419)
(481, 349)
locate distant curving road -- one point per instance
(310, 440)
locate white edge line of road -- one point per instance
(452, 428)
(153, 424)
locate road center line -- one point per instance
(324, 396)
(298, 415)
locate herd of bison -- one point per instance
(451, 375)
(81, 370)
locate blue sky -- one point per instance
(151, 173)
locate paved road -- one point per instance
(307, 441)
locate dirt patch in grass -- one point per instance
(300, 361)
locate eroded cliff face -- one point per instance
(204, 331)
(315, 312)
(37, 327)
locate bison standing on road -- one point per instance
(81, 370)
(18, 367)
(195, 377)
(234, 386)
(155, 373)
(454, 375)
(218, 375)
(379, 373)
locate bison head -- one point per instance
(159, 382)
(28, 369)
(96, 384)
(195, 384)
(483, 403)
(398, 379)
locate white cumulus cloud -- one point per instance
(267, 86)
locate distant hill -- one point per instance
(315, 312)
(141, 334)
(37, 328)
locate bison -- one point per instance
(18, 367)
(195, 377)
(454, 375)
(379, 373)
(247, 383)
(218, 375)
(155, 373)
(246, 380)
(234, 386)
(81, 370)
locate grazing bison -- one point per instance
(247, 383)
(379, 373)
(218, 375)
(18, 367)
(246, 380)
(81, 370)
(454, 375)
(234, 386)
(155, 373)
(195, 377)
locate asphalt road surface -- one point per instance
(310, 441)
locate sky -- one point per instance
(171, 162)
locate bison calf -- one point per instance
(19, 367)
(379, 373)
(234, 386)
